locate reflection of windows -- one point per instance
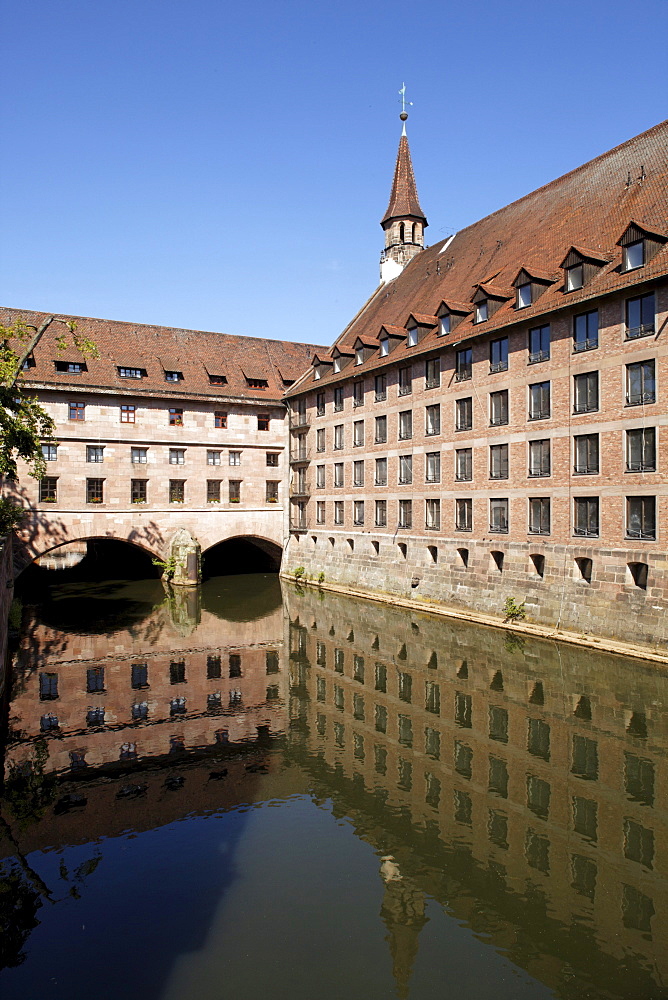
(639, 779)
(405, 686)
(432, 743)
(95, 679)
(538, 738)
(139, 675)
(95, 717)
(177, 706)
(498, 723)
(585, 818)
(48, 722)
(498, 777)
(380, 759)
(497, 828)
(405, 731)
(537, 851)
(432, 698)
(48, 687)
(177, 672)
(380, 718)
(463, 807)
(538, 796)
(638, 843)
(380, 672)
(140, 710)
(583, 875)
(585, 758)
(213, 667)
(234, 664)
(463, 759)
(463, 710)
(637, 909)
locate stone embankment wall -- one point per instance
(611, 603)
(6, 595)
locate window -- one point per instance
(358, 512)
(71, 367)
(320, 404)
(128, 413)
(94, 490)
(320, 439)
(411, 337)
(272, 459)
(320, 477)
(405, 514)
(213, 457)
(539, 344)
(139, 456)
(77, 411)
(574, 277)
(131, 372)
(234, 490)
(381, 513)
(220, 419)
(539, 457)
(358, 433)
(463, 364)
(175, 417)
(173, 376)
(358, 393)
(338, 399)
(263, 422)
(481, 312)
(177, 456)
(498, 408)
(405, 425)
(432, 472)
(234, 458)
(95, 453)
(338, 437)
(432, 373)
(271, 491)
(498, 516)
(48, 489)
(381, 430)
(585, 515)
(498, 461)
(50, 452)
(384, 347)
(586, 454)
(405, 381)
(640, 317)
(177, 490)
(432, 419)
(338, 474)
(585, 391)
(641, 517)
(433, 514)
(217, 379)
(358, 473)
(405, 469)
(138, 490)
(539, 516)
(381, 472)
(463, 464)
(640, 383)
(464, 515)
(464, 414)
(213, 490)
(380, 388)
(498, 355)
(48, 687)
(359, 356)
(585, 331)
(95, 680)
(524, 295)
(338, 512)
(633, 255)
(539, 401)
(641, 450)
(320, 512)
(445, 326)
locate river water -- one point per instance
(242, 793)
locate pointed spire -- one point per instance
(404, 200)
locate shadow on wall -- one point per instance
(237, 556)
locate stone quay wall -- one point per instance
(6, 595)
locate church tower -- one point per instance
(404, 221)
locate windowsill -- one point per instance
(539, 416)
(498, 531)
(583, 533)
(432, 527)
(641, 538)
(499, 423)
(636, 471)
(577, 412)
(639, 332)
(499, 366)
(538, 475)
(537, 531)
(586, 472)
(464, 479)
(459, 528)
(587, 345)
(463, 376)
(432, 384)
(536, 359)
(459, 429)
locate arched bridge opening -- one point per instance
(89, 559)
(241, 555)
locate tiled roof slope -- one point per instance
(403, 197)
(158, 349)
(589, 207)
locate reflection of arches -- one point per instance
(242, 554)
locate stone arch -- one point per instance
(26, 554)
(242, 554)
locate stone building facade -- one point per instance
(491, 423)
(167, 430)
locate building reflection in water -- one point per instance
(520, 784)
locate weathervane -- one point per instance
(404, 113)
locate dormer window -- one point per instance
(444, 326)
(412, 337)
(316, 374)
(173, 376)
(384, 347)
(257, 383)
(574, 277)
(359, 356)
(524, 295)
(481, 311)
(132, 372)
(337, 365)
(634, 255)
(71, 367)
(217, 379)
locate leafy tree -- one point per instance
(24, 424)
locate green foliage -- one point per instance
(298, 572)
(12, 515)
(321, 577)
(28, 790)
(513, 611)
(168, 566)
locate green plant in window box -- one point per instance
(48, 500)
(235, 500)
(272, 499)
(138, 500)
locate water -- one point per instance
(236, 793)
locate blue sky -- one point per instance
(224, 166)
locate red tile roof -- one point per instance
(158, 349)
(589, 207)
(403, 197)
